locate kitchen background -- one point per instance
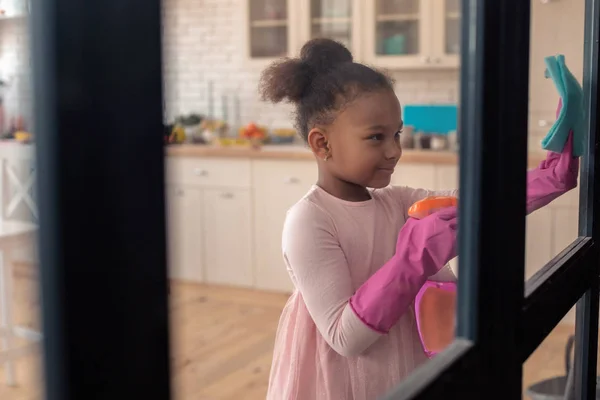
(206, 44)
(227, 195)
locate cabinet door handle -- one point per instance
(437, 60)
(291, 179)
(426, 60)
(200, 172)
(227, 195)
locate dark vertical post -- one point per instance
(493, 163)
(586, 331)
(98, 123)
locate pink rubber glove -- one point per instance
(423, 248)
(556, 175)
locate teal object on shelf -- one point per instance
(572, 114)
(431, 118)
(395, 44)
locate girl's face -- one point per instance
(363, 142)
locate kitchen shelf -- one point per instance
(269, 23)
(397, 17)
(338, 20)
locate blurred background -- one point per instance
(235, 165)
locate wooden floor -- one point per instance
(222, 343)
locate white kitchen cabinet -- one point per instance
(446, 177)
(415, 34)
(426, 176)
(415, 175)
(271, 31)
(227, 222)
(340, 20)
(446, 33)
(538, 240)
(566, 230)
(184, 219)
(566, 227)
(394, 34)
(209, 173)
(278, 185)
(226, 217)
(210, 220)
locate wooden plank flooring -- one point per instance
(222, 342)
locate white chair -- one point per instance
(18, 225)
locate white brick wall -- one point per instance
(204, 41)
(15, 68)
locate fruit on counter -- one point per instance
(174, 134)
(213, 129)
(253, 131)
(431, 204)
(228, 141)
(23, 136)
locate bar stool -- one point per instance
(14, 234)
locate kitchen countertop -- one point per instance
(11, 149)
(297, 152)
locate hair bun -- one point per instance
(323, 55)
(285, 79)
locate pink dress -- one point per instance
(331, 246)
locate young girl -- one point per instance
(348, 331)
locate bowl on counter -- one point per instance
(439, 142)
(281, 140)
(282, 136)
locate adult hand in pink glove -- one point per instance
(422, 249)
(556, 175)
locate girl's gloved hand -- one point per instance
(422, 249)
(432, 239)
(556, 175)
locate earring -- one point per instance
(327, 150)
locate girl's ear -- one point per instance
(317, 140)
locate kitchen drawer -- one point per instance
(285, 175)
(213, 172)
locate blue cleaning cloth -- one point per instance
(572, 114)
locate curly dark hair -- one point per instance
(320, 82)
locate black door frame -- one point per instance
(501, 321)
(97, 71)
(98, 123)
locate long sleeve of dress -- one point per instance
(320, 272)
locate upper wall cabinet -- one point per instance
(412, 34)
(446, 36)
(334, 19)
(393, 34)
(270, 30)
